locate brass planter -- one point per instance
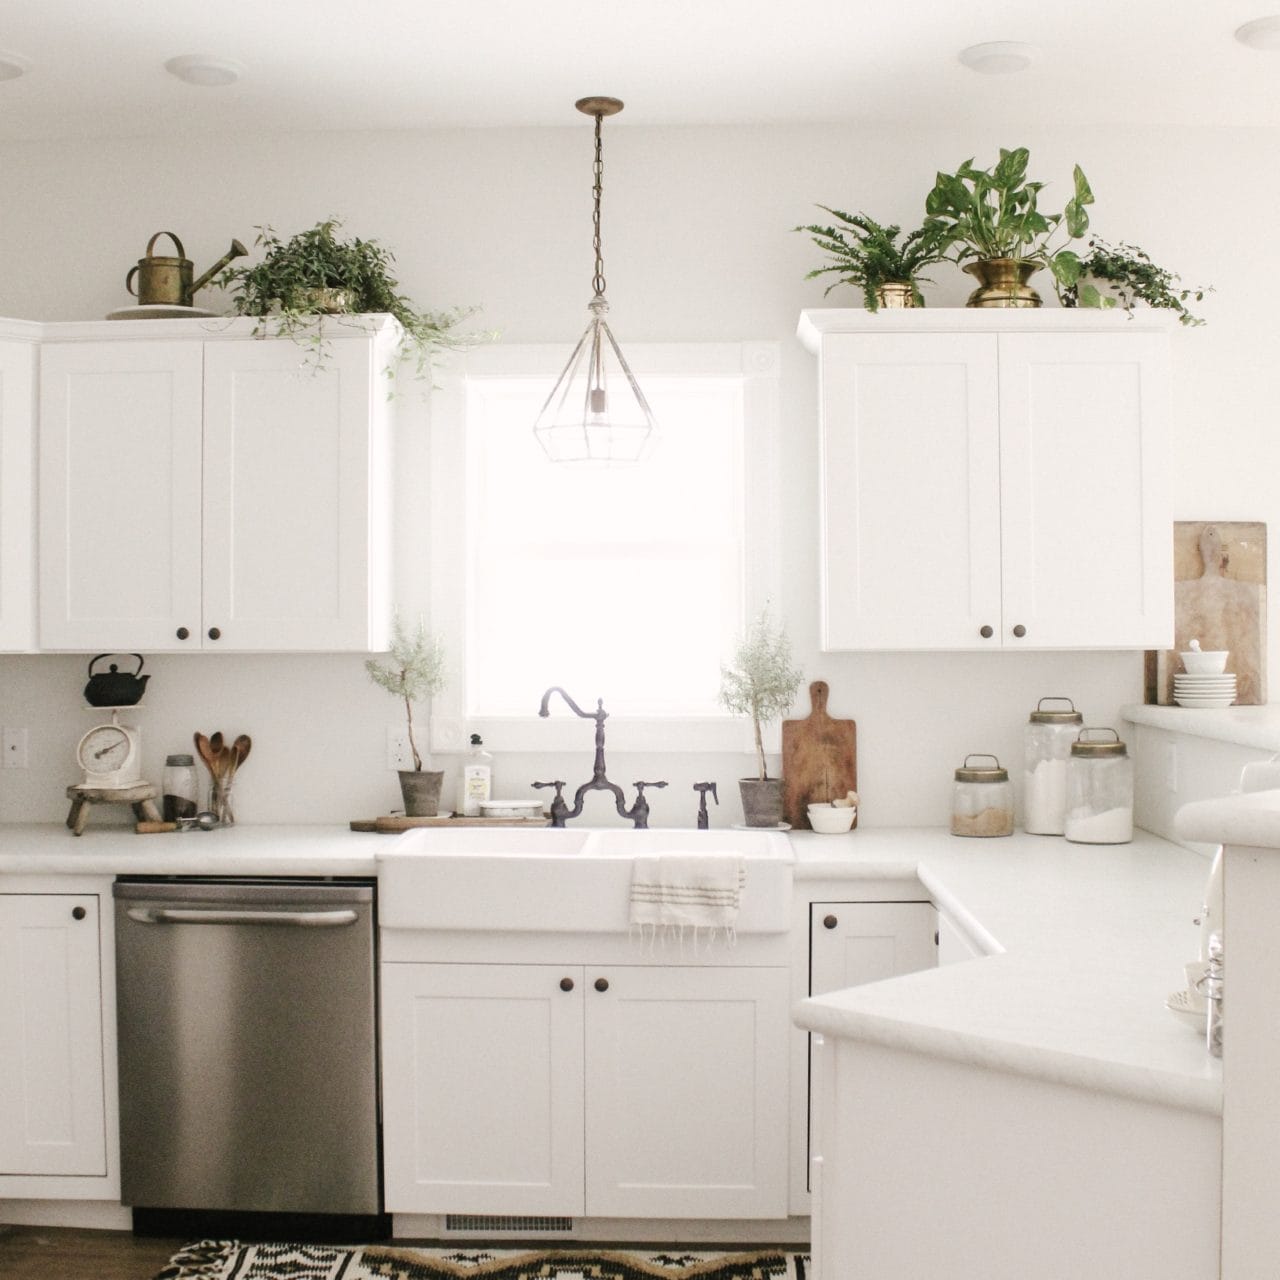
(896, 293)
(1002, 282)
(324, 300)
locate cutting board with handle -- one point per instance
(819, 759)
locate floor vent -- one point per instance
(482, 1222)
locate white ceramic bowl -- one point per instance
(829, 820)
(1206, 662)
(511, 808)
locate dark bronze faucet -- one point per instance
(560, 810)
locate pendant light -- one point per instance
(596, 412)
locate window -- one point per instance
(629, 583)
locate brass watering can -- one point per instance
(167, 281)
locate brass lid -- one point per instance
(1098, 750)
(1041, 716)
(981, 773)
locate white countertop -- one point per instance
(1251, 820)
(1240, 726)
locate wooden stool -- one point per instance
(140, 796)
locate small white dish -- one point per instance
(1205, 662)
(511, 809)
(827, 820)
(1202, 704)
(1180, 1005)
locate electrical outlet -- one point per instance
(13, 746)
(399, 755)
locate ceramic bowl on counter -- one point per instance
(511, 809)
(829, 820)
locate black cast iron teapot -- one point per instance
(115, 688)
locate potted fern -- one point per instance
(867, 255)
(416, 671)
(761, 683)
(317, 273)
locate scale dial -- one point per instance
(109, 755)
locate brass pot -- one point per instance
(896, 293)
(1003, 282)
(325, 300)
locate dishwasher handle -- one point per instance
(192, 915)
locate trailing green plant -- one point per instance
(867, 255)
(1132, 277)
(762, 682)
(416, 670)
(281, 291)
(995, 213)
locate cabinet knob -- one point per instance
(78, 913)
(566, 984)
(1019, 631)
(214, 633)
(829, 922)
(602, 984)
(183, 633)
(986, 632)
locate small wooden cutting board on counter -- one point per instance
(819, 759)
(394, 823)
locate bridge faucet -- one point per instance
(638, 813)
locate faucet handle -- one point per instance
(559, 809)
(703, 787)
(640, 786)
(559, 785)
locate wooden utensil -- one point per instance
(819, 759)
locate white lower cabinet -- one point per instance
(856, 942)
(605, 1090)
(53, 1117)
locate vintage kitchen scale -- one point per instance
(110, 754)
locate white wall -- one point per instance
(697, 247)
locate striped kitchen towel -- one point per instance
(679, 891)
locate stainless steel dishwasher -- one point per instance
(248, 1046)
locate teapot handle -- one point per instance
(100, 657)
(177, 244)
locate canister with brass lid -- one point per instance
(982, 799)
(1046, 748)
(1099, 789)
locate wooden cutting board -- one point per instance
(819, 759)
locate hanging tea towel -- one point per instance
(678, 891)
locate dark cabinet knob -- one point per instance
(602, 984)
(829, 922)
(78, 913)
(986, 632)
(1019, 631)
(214, 633)
(566, 984)
(183, 633)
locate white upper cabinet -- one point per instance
(209, 490)
(994, 479)
(17, 485)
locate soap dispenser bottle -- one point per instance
(476, 781)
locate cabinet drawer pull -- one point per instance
(78, 913)
(602, 984)
(1019, 631)
(829, 922)
(986, 632)
(566, 984)
(183, 633)
(214, 633)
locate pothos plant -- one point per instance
(761, 682)
(294, 287)
(867, 254)
(1131, 277)
(416, 670)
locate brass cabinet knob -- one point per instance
(602, 984)
(986, 632)
(1019, 631)
(78, 913)
(214, 633)
(829, 922)
(566, 984)
(183, 633)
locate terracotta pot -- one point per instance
(421, 792)
(761, 801)
(1002, 282)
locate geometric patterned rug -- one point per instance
(231, 1260)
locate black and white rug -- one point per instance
(231, 1260)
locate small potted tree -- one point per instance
(415, 671)
(761, 684)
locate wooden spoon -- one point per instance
(204, 748)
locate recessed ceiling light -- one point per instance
(204, 69)
(1261, 33)
(999, 57)
(13, 65)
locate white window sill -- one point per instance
(563, 731)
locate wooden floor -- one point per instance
(62, 1253)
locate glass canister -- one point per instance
(982, 800)
(1099, 790)
(180, 788)
(1046, 749)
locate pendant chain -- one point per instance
(597, 281)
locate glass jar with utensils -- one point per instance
(1047, 740)
(1099, 789)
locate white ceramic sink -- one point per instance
(560, 880)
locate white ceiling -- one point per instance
(97, 69)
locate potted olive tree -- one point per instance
(416, 671)
(761, 684)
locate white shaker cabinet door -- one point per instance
(482, 1088)
(17, 494)
(910, 491)
(686, 1092)
(1088, 534)
(120, 495)
(856, 942)
(52, 1107)
(296, 496)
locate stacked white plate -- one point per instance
(1204, 691)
